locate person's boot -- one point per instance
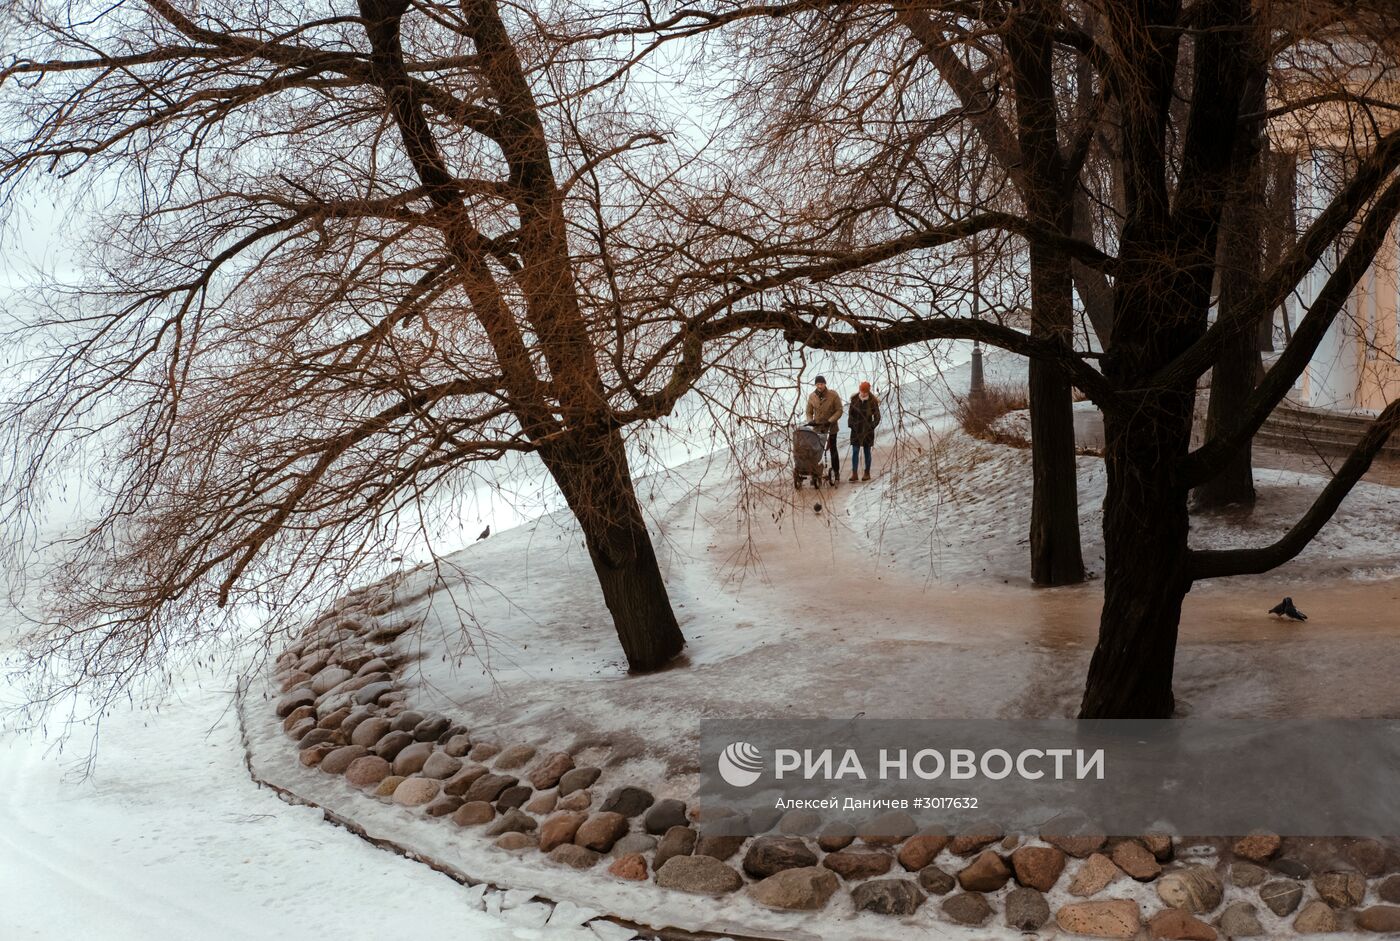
(864, 475)
(853, 476)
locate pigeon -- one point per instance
(1285, 609)
(484, 533)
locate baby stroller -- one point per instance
(809, 456)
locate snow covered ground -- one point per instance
(904, 596)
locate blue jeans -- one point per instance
(855, 457)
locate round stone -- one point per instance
(1026, 910)
(888, 896)
(339, 761)
(1195, 889)
(967, 908)
(390, 745)
(701, 875)
(627, 800)
(411, 759)
(516, 756)
(935, 881)
(415, 792)
(370, 731)
(440, 765)
(473, 813)
(576, 779)
(367, 771)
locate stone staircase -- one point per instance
(1295, 427)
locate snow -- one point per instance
(905, 596)
(902, 596)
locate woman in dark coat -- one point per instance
(862, 415)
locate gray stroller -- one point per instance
(809, 456)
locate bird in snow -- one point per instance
(484, 533)
(1285, 609)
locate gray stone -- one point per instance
(377, 665)
(574, 856)
(371, 693)
(512, 821)
(678, 841)
(462, 780)
(328, 679)
(443, 805)
(967, 908)
(1247, 875)
(888, 896)
(513, 797)
(576, 779)
(799, 822)
(1282, 897)
(406, 720)
(484, 751)
(803, 890)
(763, 819)
(888, 829)
(1239, 920)
(719, 846)
(318, 736)
(390, 745)
(1292, 868)
(412, 759)
(369, 732)
(294, 700)
(1195, 888)
(430, 728)
(665, 814)
(458, 745)
(772, 854)
(935, 881)
(516, 756)
(488, 787)
(1026, 910)
(836, 836)
(627, 800)
(702, 875)
(441, 765)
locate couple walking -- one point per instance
(862, 415)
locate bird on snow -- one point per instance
(1285, 609)
(484, 533)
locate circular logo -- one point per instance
(740, 764)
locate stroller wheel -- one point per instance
(816, 483)
(797, 482)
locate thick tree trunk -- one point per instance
(1056, 558)
(1240, 254)
(1146, 574)
(596, 482)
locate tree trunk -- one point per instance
(1056, 558)
(592, 472)
(1146, 574)
(1241, 230)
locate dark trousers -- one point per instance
(835, 453)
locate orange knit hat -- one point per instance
(865, 387)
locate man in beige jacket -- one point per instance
(824, 408)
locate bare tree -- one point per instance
(1179, 159)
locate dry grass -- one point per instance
(978, 415)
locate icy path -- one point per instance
(170, 839)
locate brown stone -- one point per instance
(457, 784)
(600, 831)
(542, 803)
(920, 850)
(1173, 923)
(1094, 875)
(296, 715)
(488, 787)
(965, 844)
(1118, 918)
(1380, 918)
(1038, 867)
(367, 771)
(415, 792)
(805, 889)
(473, 814)
(313, 756)
(858, 864)
(633, 866)
(1368, 856)
(1194, 888)
(836, 836)
(1341, 889)
(1160, 845)
(484, 751)
(338, 761)
(888, 829)
(987, 873)
(574, 856)
(516, 756)
(549, 769)
(1136, 860)
(443, 805)
(1079, 846)
(515, 840)
(1316, 917)
(560, 829)
(718, 845)
(1258, 847)
(578, 800)
(389, 785)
